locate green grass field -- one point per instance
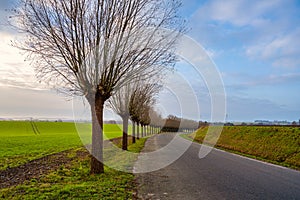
(73, 181)
(280, 145)
(22, 141)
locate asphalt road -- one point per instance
(220, 175)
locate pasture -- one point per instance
(22, 141)
(63, 170)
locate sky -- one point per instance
(254, 45)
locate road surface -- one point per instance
(220, 175)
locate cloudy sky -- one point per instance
(254, 45)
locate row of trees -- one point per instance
(99, 48)
(134, 101)
(175, 124)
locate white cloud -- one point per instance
(266, 30)
(239, 12)
(283, 50)
(14, 71)
(20, 102)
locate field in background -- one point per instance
(22, 141)
(280, 145)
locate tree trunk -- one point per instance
(137, 130)
(142, 131)
(97, 166)
(125, 132)
(133, 132)
(147, 130)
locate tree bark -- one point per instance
(97, 166)
(125, 132)
(133, 132)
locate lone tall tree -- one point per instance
(92, 47)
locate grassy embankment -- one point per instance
(279, 145)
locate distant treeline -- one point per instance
(176, 124)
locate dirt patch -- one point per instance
(37, 168)
(34, 169)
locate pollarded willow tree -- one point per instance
(92, 47)
(119, 103)
(140, 89)
(156, 120)
(141, 100)
(145, 119)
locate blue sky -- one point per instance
(254, 44)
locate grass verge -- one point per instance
(278, 145)
(73, 181)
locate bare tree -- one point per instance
(142, 90)
(92, 47)
(119, 102)
(140, 102)
(156, 120)
(145, 119)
